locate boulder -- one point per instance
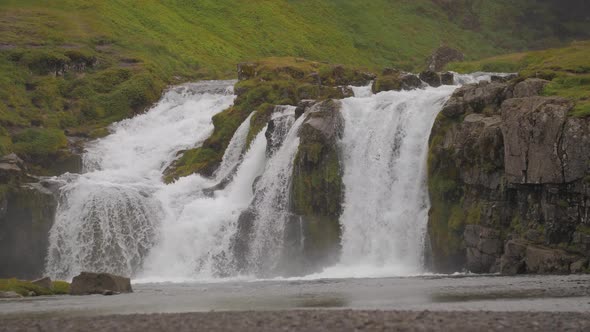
(395, 80)
(97, 283)
(532, 128)
(545, 260)
(512, 262)
(10, 295)
(475, 98)
(529, 87)
(410, 81)
(579, 266)
(442, 56)
(431, 78)
(447, 78)
(43, 282)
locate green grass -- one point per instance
(60, 287)
(23, 287)
(568, 69)
(77, 66)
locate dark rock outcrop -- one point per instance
(317, 184)
(395, 80)
(447, 78)
(26, 216)
(508, 181)
(431, 78)
(43, 282)
(98, 283)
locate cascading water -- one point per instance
(384, 149)
(120, 217)
(271, 202)
(108, 218)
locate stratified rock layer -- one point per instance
(509, 180)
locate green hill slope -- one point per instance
(79, 65)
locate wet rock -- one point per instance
(475, 98)
(410, 81)
(579, 266)
(529, 87)
(302, 106)
(43, 282)
(447, 78)
(431, 78)
(25, 222)
(395, 80)
(97, 283)
(317, 189)
(544, 260)
(443, 56)
(512, 262)
(484, 245)
(10, 295)
(532, 128)
(240, 242)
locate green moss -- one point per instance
(60, 287)
(474, 214)
(22, 287)
(562, 203)
(39, 142)
(566, 68)
(386, 83)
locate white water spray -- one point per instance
(385, 210)
(271, 203)
(108, 217)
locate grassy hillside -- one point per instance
(567, 68)
(72, 67)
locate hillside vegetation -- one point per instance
(69, 68)
(567, 68)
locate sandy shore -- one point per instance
(311, 320)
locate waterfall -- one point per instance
(108, 218)
(119, 216)
(385, 211)
(272, 197)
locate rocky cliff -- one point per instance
(509, 180)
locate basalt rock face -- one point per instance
(509, 180)
(26, 216)
(317, 188)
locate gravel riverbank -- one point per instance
(311, 320)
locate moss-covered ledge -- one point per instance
(262, 85)
(317, 188)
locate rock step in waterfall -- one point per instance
(250, 219)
